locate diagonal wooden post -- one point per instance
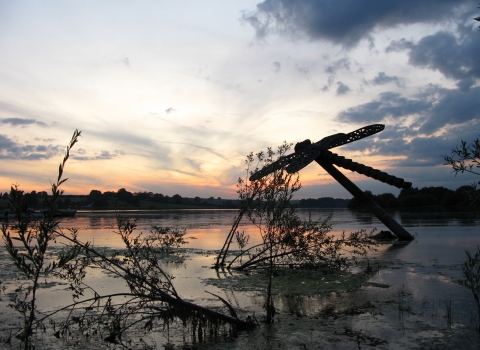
(386, 219)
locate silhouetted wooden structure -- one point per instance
(307, 152)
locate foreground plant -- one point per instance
(287, 240)
(471, 272)
(466, 158)
(148, 300)
(30, 254)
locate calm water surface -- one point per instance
(436, 232)
(422, 276)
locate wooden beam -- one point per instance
(386, 219)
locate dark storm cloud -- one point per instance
(452, 107)
(344, 22)
(433, 109)
(21, 122)
(382, 79)
(399, 45)
(389, 104)
(342, 89)
(9, 149)
(457, 59)
(452, 110)
(417, 151)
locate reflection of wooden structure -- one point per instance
(306, 152)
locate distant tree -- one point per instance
(448, 199)
(197, 200)
(408, 192)
(94, 194)
(144, 196)
(158, 197)
(384, 199)
(394, 203)
(98, 199)
(30, 199)
(467, 195)
(124, 195)
(434, 194)
(68, 201)
(177, 199)
(355, 203)
(323, 202)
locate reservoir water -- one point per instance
(414, 301)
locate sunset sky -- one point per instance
(171, 96)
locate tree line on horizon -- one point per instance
(407, 198)
(100, 199)
(464, 196)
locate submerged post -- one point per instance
(386, 219)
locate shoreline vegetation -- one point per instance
(408, 199)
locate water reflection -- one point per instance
(210, 227)
(299, 305)
(437, 218)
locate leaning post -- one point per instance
(386, 219)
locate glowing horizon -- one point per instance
(171, 97)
